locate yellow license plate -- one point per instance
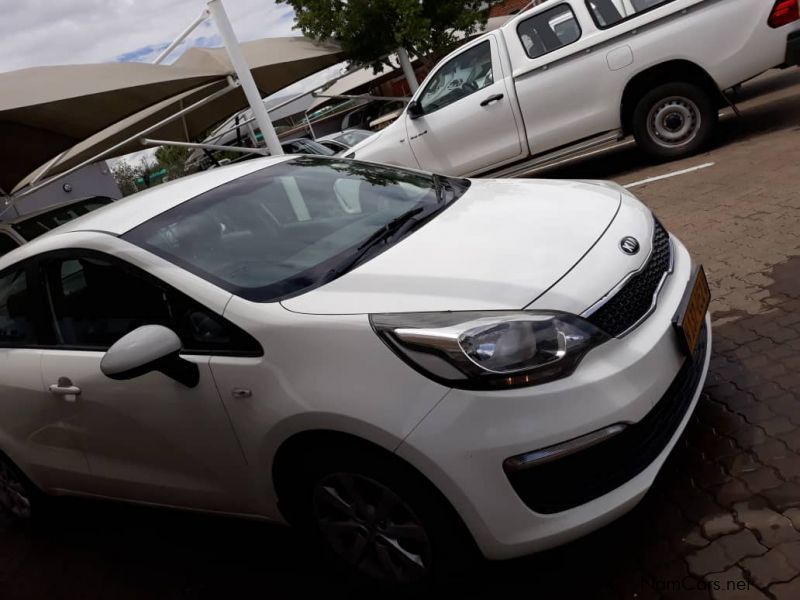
(692, 313)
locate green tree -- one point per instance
(370, 30)
(173, 159)
(125, 174)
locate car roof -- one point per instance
(43, 211)
(123, 215)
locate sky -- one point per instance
(51, 32)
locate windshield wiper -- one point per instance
(440, 186)
(390, 228)
(381, 235)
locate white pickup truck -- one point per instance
(572, 75)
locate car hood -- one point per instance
(500, 246)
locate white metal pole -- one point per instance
(240, 149)
(310, 128)
(245, 76)
(408, 70)
(177, 42)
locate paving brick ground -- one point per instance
(722, 521)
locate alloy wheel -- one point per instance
(14, 497)
(674, 122)
(372, 528)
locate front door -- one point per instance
(468, 123)
(151, 438)
(38, 431)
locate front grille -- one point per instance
(581, 477)
(632, 303)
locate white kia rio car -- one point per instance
(405, 365)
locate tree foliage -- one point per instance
(370, 30)
(173, 159)
(125, 174)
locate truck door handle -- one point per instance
(65, 388)
(491, 99)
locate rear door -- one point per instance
(468, 123)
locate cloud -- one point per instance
(48, 32)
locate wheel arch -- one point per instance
(294, 449)
(678, 70)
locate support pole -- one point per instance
(241, 150)
(245, 76)
(310, 128)
(178, 40)
(408, 70)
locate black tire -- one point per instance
(19, 498)
(674, 120)
(429, 543)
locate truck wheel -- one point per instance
(377, 519)
(674, 120)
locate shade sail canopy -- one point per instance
(88, 109)
(274, 62)
(46, 110)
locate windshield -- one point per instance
(306, 147)
(293, 226)
(353, 137)
(42, 223)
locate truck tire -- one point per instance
(674, 120)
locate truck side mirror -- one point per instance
(415, 110)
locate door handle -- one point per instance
(491, 99)
(65, 388)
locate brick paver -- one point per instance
(723, 518)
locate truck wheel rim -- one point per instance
(372, 528)
(13, 497)
(674, 122)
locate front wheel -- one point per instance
(674, 120)
(378, 518)
(16, 494)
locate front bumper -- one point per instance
(462, 444)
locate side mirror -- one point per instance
(147, 349)
(415, 110)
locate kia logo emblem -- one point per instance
(629, 245)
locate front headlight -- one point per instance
(490, 350)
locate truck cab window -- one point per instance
(610, 12)
(549, 30)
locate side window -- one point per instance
(610, 12)
(95, 302)
(7, 244)
(549, 30)
(463, 75)
(16, 322)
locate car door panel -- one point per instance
(150, 438)
(38, 431)
(465, 131)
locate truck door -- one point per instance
(466, 121)
(566, 93)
